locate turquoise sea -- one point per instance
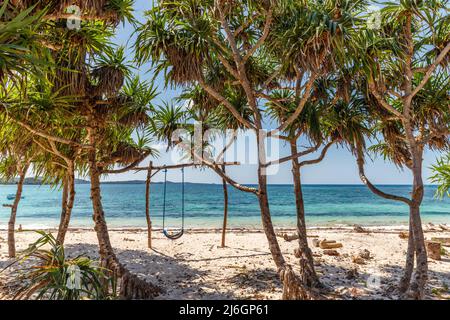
(124, 206)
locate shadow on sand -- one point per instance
(181, 281)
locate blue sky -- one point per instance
(338, 167)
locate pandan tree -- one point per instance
(21, 54)
(107, 111)
(17, 151)
(43, 110)
(308, 127)
(187, 40)
(405, 64)
(216, 124)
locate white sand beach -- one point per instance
(196, 267)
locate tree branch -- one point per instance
(230, 142)
(50, 137)
(320, 158)
(383, 102)
(216, 95)
(51, 152)
(375, 190)
(300, 105)
(293, 156)
(129, 167)
(431, 69)
(263, 38)
(219, 171)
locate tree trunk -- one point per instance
(293, 288)
(131, 287)
(415, 225)
(12, 218)
(67, 203)
(409, 265)
(225, 208)
(304, 253)
(421, 274)
(147, 205)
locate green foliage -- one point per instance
(166, 121)
(19, 42)
(54, 276)
(442, 176)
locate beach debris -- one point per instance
(357, 228)
(330, 244)
(358, 260)
(403, 235)
(128, 239)
(365, 254)
(291, 237)
(316, 242)
(431, 227)
(445, 241)
(444, 228)
(330, 252)
(361, 257)
(294, 236)
(433, 249)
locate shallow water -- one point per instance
(124, 206)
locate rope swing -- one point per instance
(173, 234)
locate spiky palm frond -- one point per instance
(312, 36)
(441, 176)
(110, 71)
(175, 47)
(72, 71)
(346, 123)
(19, 43)
(307, 123)
(222, 117)
(166, 120)
(54, 276)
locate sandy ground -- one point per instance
(196, 267)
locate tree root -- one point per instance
(131, 286)
(134, 288)
(293, 289)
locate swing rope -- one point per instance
(177, 235)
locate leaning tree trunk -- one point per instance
(307, 272)
(147, 205)
(225, 209)
(67, 203)
(12, 218)
(293, 288)
(131, 287)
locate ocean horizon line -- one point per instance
(255, 184)
(131, 182)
